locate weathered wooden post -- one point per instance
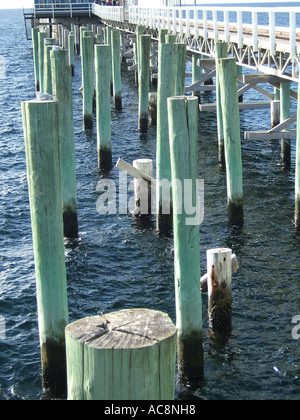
(87, 59)
(35, 44)
(285, 107)
(142, 189)
(144, 79)
(40, 124)
(275, 113)
(162, 35)
(153, 108)
(221, 52)
(180, 54)
(116, 70)
(139, 32)
(297, 171)
(219, 270)
(166, 84)
(103, 111)
(62, 91)
(49, 42)
(232, 140)
(170, 39)
(125, 355)
(196, 73)
(41, 38)
(71, 50)
(183, 129)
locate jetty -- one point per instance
(241, 49)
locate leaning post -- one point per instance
(232, 139)
(40, 124)
(183, 129)
(62, 91)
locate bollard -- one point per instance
(40, 124)
(125, 355)
(48, 44)
(35, 44)
(62, 91)
(41, 38)
(297, 173)
(71, 51)
(183, 129)
(116, 70)
(142, 188)
(232, 140)
(221, 52)
(285, 106)
(103, 111)
(87, 59)
(219, 269)
(166, 86)
(144, 79)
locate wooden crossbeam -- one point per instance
(284, 124)
(266, 135)
(262, 78)
(242, 106)
(203, 79)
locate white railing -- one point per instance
(115, 13)
(241, 25)
(70, 9)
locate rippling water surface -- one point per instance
(118, 264)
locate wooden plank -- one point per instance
(242, 106)
(266, 135)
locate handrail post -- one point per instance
(254, 31)
(272, 32)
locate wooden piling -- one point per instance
(41, 38)
(232, 139)
(87, 60)
(153, 108)
(166, 84)
(221, 52)
(71, 51)
(285, 107)
(35, 44)
(144, 82)
(183, 131)
(180, 54)
(116, 69)
(48, 44)
(142, 189)
(125, 355)
(297, 171)
(62, 91)
(275, 113)
(103, 111)
(219, 269)
(196, 73)
(40, 124)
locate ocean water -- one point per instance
(118, 264)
